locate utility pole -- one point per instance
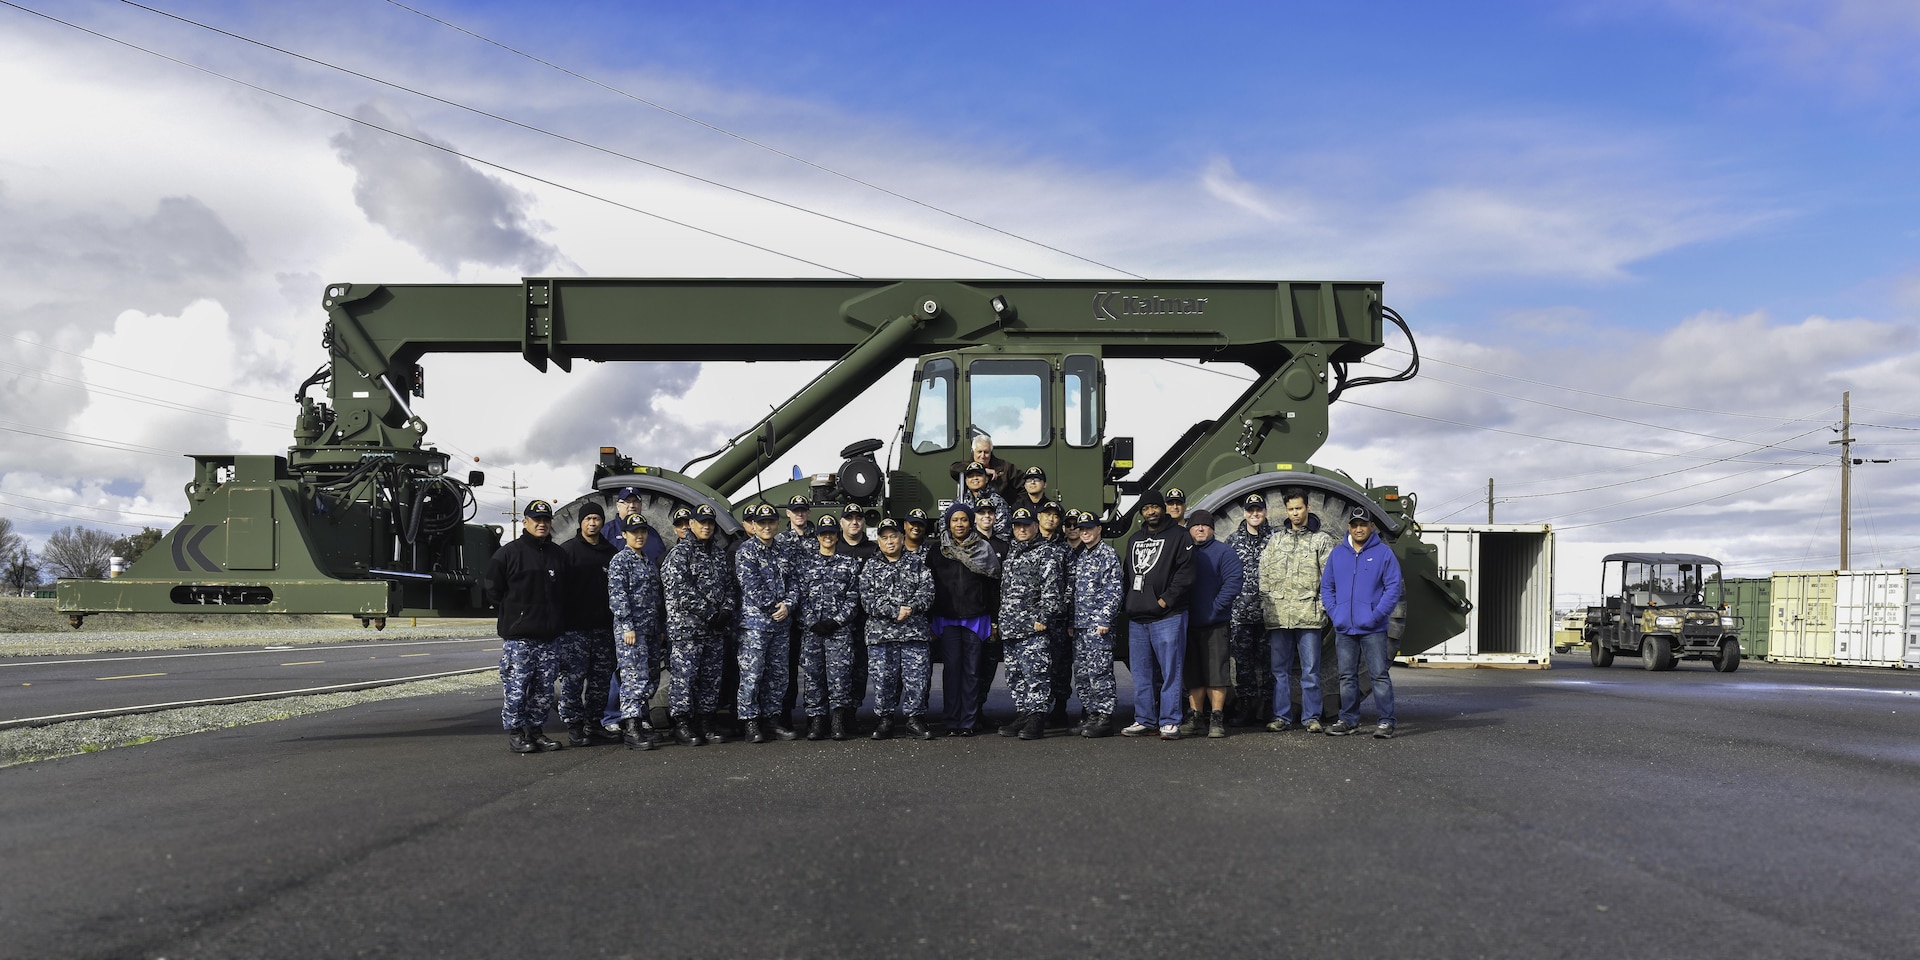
(514, 514)
(1846, 474)
(1489, 499)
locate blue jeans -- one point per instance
(1378, 651)
(1287, 645)
(1158, 647)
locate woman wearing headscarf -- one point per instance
(966, 570)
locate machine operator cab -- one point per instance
(1654, 607)
(1040, 409)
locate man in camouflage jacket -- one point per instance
(1290, 568)
(1093, 570)
(768, 595)
(633, 594)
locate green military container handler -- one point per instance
(363, 518)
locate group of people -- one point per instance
(814, 612)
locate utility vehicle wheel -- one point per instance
(1656, 653)
(1599, 652)
(1729, 659)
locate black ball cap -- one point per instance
(1358, 515)
(704, 512)
(762, 511)
(682, 515)
(976, 467)
(887, 524)
(1254, 501)
(538, 510)
(1023, 515)
(1176, 495)
(1033, 473)
(799, 502)
(828, 525)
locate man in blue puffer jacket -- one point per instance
(1360, 587)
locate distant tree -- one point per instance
(78, 552)
(9, 541)
(19, 570)
(131, 548)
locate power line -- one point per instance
(763, 146)
(428, 143)
(1590, 393)
(68, 516)
(146, 373)
(54, 378)
(1695, 503)
(87, 506)
(580, 143)
(1662, 493)
(83, 440)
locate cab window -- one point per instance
(933, 407)
(1081, 376)
(1009, 400)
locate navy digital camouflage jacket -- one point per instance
(697, 578)
(633, 591)
(1032, 588)
(1094, 573)
(885, 587)
(765, 583)
(829, 589)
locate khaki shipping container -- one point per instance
(1802, 627)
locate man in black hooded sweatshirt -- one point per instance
(1156, 571)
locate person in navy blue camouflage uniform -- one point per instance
(796, 544)
(768, 594)
(896, 590)
(1054, 533)
(526, 580)
(1032, 594)
(829, 600)
(1252, 667)
(633, 595)
(915, 527)
(1093, 569)
(976, 492)
(697, 578)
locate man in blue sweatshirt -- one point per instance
(1208, 673)
(1360, 587)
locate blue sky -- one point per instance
(1666, 218)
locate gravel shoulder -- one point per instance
(29, 744)
(32, 628)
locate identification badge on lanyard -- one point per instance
(1139, 582)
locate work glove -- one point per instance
(720, 619)
(826, 627)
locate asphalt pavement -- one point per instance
(33, 689)
(1574, 812)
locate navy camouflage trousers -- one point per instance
(526, 682)
(1060, 655)
(1030, 672)
(827, 672)
(586, 671)
(695, 684)
(1093, 672)
(901, 671)
(763, 671)
(637, 670)
(1252, 665)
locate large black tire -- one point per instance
(1656, 653)
(1598, 651)
(1729, 659)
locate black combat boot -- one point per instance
(517, 741)
(541, 741)
(577, 734)
(777, 729)
(884, 731)
(1058, 717)
(684, 734)
(841, 728)
(1216, 724)
(917, 728)
(817, 727)
(1013, 727)
(601, 732)
(1097, 725)
(1190, 726)
(1035, 728)
(635, 738)
(754, 733)
(716, 728)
